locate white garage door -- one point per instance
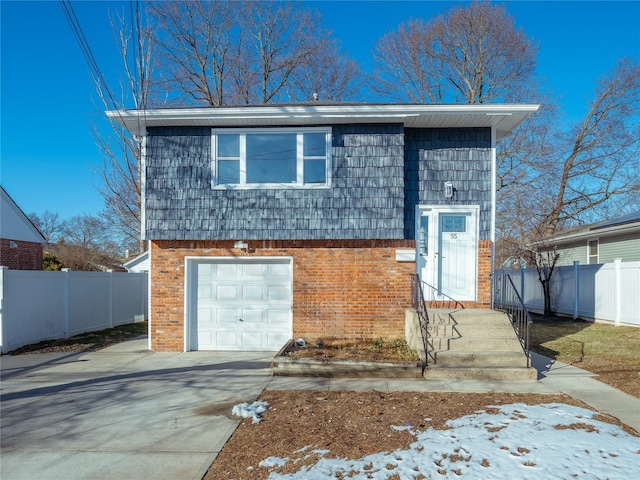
(241, 304)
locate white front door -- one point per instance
(240, 304)
(447, 242)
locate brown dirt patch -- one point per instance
(86, 342)
(336, 349)
(328, 420)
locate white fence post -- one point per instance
(576, 286)
(2, 270)
(66, 302)
(110, 298)
(617, 263)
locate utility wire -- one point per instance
(94, 69)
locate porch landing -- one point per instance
(478, 344)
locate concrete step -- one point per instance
(445, 331)
(466, 343)
(478, 330)
(473, 373)
(481, 359)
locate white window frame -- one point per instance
(299, 154)
(597, 255)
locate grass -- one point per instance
(611, 352)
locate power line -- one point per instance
(85, 49)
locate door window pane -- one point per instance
(424, 235)
(453, 223)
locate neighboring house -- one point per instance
(285, 221)
(138, 264)
(20, 241)
(600, 242)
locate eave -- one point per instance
(504, 118)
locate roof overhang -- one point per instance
(589, 234)
(503, 117)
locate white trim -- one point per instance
(474, 210)
(299, 184)
(143, 185)
(506, 116)
(149, 309)
(188, 269)
(589, 240)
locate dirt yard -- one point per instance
(349, 424)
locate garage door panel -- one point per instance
(242, 304)
(226, 270)
(226, 292)
(255, 270)
(253, 292)
(251, 315)
(280, 293)
(279, 270)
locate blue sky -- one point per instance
(48, 155)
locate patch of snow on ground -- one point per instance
(253, 411)
(518, 441)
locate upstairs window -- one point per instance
(592, 247)
(272, 158)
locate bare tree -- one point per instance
(597, 160)
(120, 170)
(248, 52)
(471, 54)
(49, 224)
(199, 48)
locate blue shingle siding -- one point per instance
(365, 201)
(461, 156)
(379, 174)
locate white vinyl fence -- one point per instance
(38, 305)
(608, 292)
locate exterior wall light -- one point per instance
(448, 190)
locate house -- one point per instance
(598, 243)
(20, 240)
(138, 264)
(285, 221)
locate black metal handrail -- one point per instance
(420, 306)
(507, 299)
(436, 299)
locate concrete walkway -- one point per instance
(122, 412)
(127, 413)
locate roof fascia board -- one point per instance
(136, 120)
(601, 232)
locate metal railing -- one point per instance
(507, 299)
(436, 299)
(419, 305)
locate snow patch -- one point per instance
(253, 411)
(519, 441)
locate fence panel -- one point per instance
(606, 292)
(37, 305)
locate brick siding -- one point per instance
(26, 256)
(352, 289)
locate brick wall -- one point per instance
(484, 273)
(26, 256)
(341, 288)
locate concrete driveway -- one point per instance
(123, 412)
